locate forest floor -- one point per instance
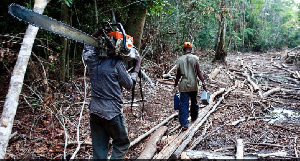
(266, 124)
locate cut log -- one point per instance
(254, 85)
(150, 148)
(151, 130)
(168, 75)
(167, 151)
(184, 156)
(147, 78)
(192, 154)
(269, 92)
(275, 154)
(214, 73)
(165, 81)
(239, 149)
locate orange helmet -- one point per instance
(187, 44)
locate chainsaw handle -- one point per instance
(123, 32)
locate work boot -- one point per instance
(184, 128)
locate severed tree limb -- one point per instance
(254, 85)
(150, 148)
(165, 81)
(151, 130)
(168, 75)
(80, 116)
(275, 154)
(265, 144)
(269, 92)
(297, 47)
(214, 73)
(234, 123)
(197, 140)
(147, 78)
(75, 142)
(295, 147)
(193, 154)
(167, 151)
(239, 149)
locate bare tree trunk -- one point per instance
(64, 41)
(16, 81)
(135, 23)
(96, 12)
(150, 148)
(221, 52)
(244, 19)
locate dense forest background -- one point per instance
(248, 25)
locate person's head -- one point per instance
(187, 47)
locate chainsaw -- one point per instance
(113, 38)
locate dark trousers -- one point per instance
(102, 130)
(184, 107)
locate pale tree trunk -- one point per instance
(64, 41)
(16, 81)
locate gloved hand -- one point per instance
(204, 86)
(133, 76)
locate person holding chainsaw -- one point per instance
(188, 70)
(107, 76)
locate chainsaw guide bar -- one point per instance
(46, 23)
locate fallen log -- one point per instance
(165, 81)
(275, 154)
(167, 151)
(150, 148)
(239, 149)
(168, 75)
(254, 85)
(151, 130)
(234, 123)
(272, 91)
(193, 154)
(147, 78)
(214, 73)
(266, 144)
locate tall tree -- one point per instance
(220, 51)
(16, 81)
(135, 23)
(64, 41)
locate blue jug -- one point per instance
(205, 97)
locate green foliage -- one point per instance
(67, 2)
(268, 24)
